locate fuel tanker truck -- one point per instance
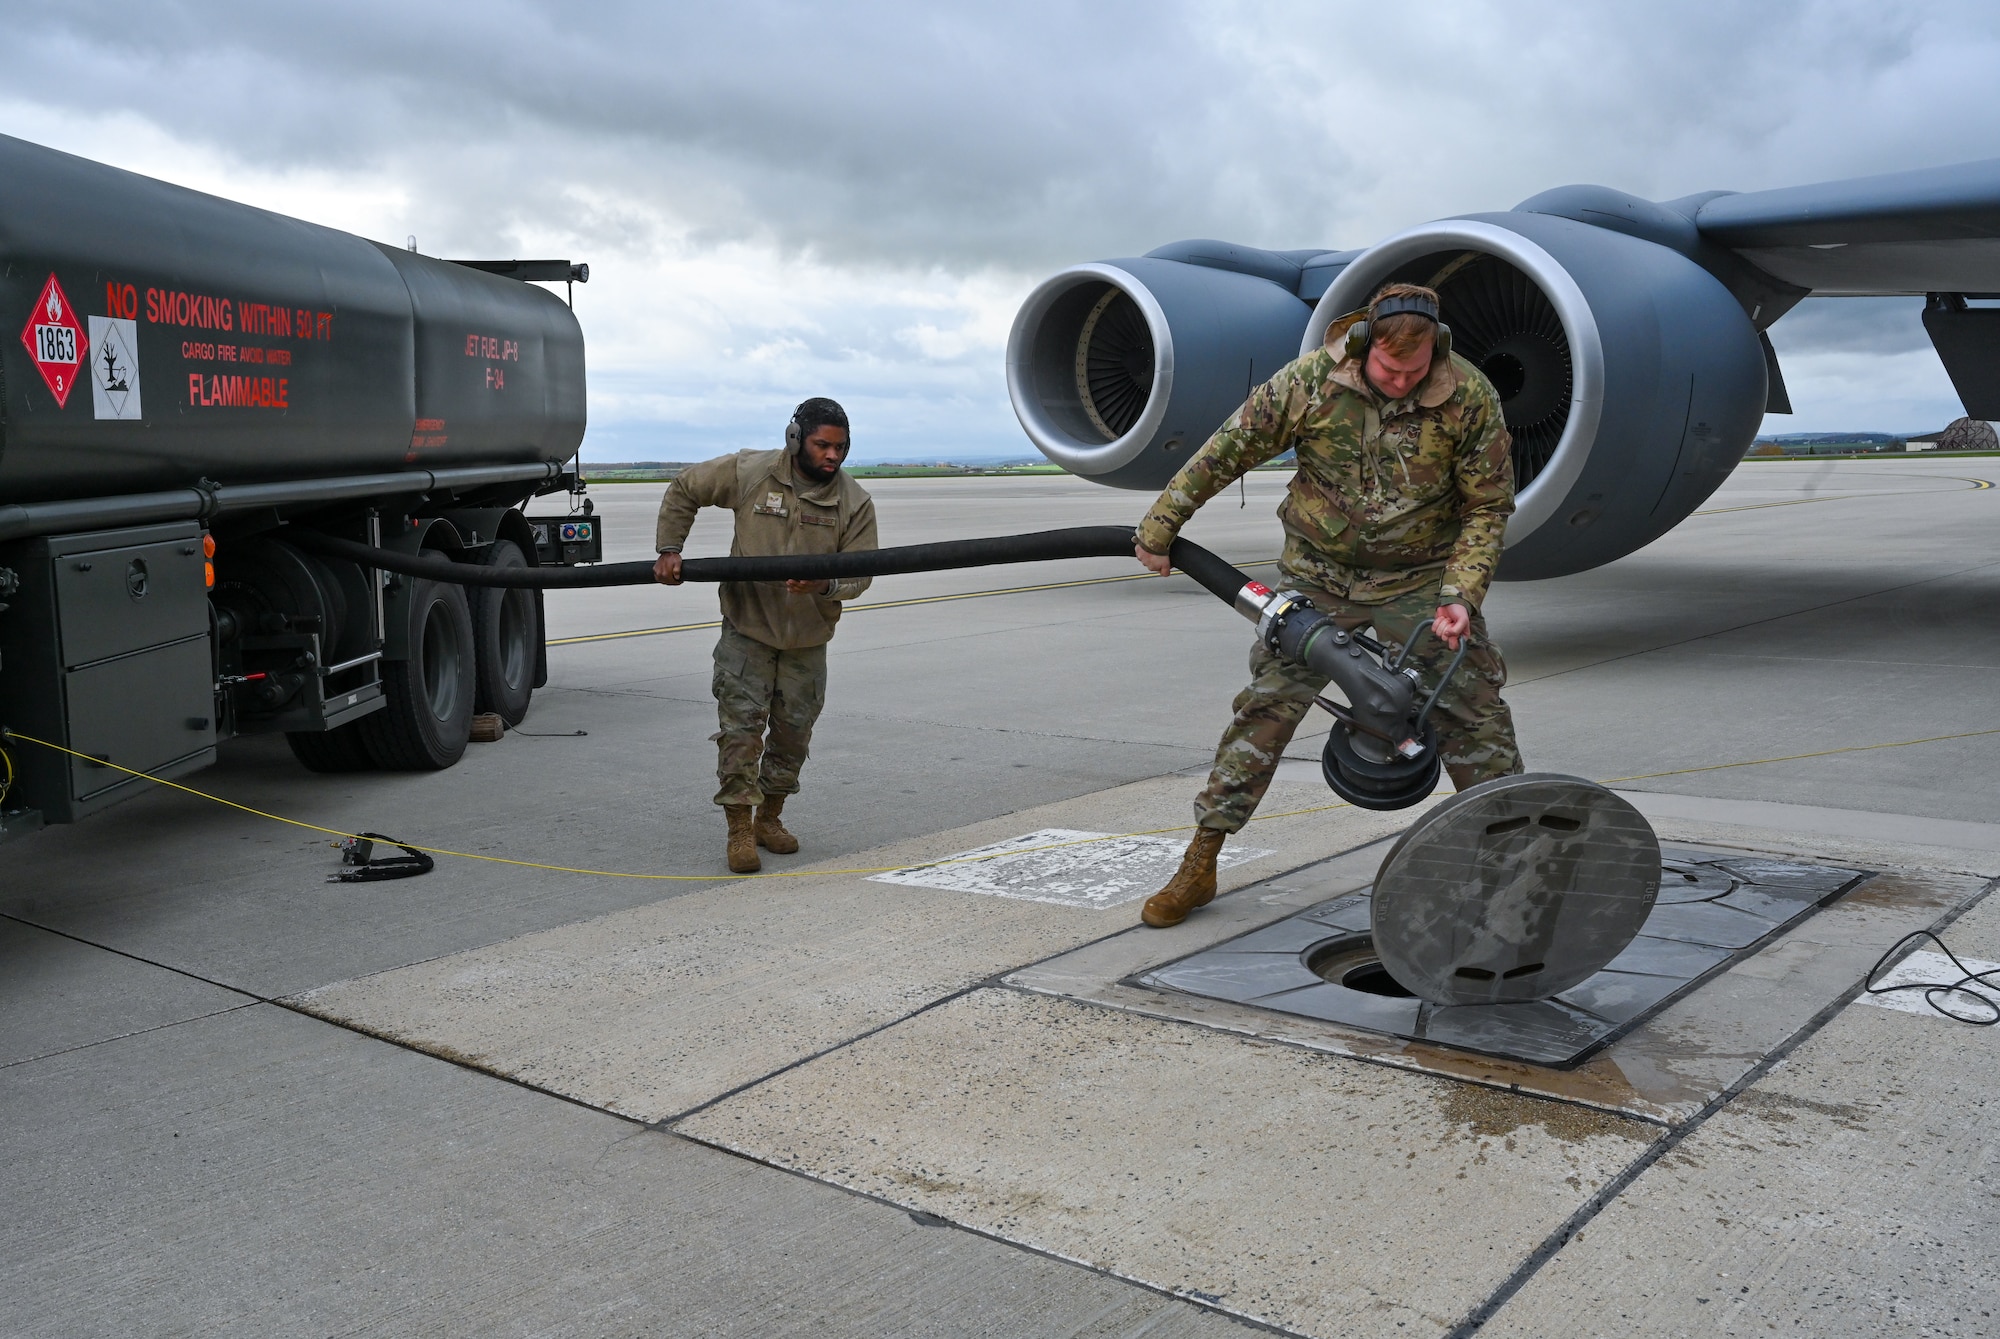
(192, 391)
(259, 476)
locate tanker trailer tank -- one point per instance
(180, 376)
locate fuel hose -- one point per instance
(1091, 541)
(1381, 754)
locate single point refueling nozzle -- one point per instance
(1382, 752)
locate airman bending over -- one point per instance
(1397, 511)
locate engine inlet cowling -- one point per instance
(1631, 381)
(1119, 369)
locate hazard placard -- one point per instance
(56, 341)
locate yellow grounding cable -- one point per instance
(892, 869)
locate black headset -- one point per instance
(1356, 341)
(795, 433)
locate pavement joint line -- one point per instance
(252, 998)
(995, 980)
(1553, 1244)
(250, 995)
(1796, 757)
(904, 604)
(291, 1005)
(1204, 1301)
(668, 1122)
(807, 872)
(1753, 623)
(126, 1036)
(1012, 730)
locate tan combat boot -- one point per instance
(1193, 884)
(742, 839)
(771, 834)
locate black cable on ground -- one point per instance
(1097, 541)
(367, 867)
(1934, 990)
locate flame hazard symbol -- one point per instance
(55, 341)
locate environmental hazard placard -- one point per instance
(114, 367)
(56, 341)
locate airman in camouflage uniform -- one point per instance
(770, 662)
(1396, 514)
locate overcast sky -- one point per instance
(780, 200)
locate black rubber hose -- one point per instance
(1217, 577)
(1097, 541)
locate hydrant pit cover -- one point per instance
(1515, 890)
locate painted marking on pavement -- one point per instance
(1977, 485)
(1107, 872)
(1938, 970)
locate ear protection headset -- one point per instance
(795, 433)
(1358, 335)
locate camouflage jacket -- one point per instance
(778, 511)
(1388, 498)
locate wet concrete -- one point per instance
(1849, 1192)
(1667, 1068)
(1300, 1189)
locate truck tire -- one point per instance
(428, 718)
(506, 633)
(340, 749)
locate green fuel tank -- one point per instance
(152, 337)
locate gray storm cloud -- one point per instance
(957, 141)
(1030, 134)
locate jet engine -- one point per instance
(1119, 369)
(1631, 378)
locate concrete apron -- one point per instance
(656, 1010)
(953, 1054)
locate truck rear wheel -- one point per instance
(428, 718)
(506, 631)
(337, 750)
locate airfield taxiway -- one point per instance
(502, 1099)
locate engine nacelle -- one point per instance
(1632, 381)
(1120, 369)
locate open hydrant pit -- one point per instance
(1714, 908)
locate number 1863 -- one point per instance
(55, 344)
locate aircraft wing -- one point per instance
(1625, 338)
(1933, 230)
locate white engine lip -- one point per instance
(1051, 439)
(1535, 505)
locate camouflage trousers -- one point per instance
(759, 688)
(1475, 727)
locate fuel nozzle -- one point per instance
(1382, 752)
